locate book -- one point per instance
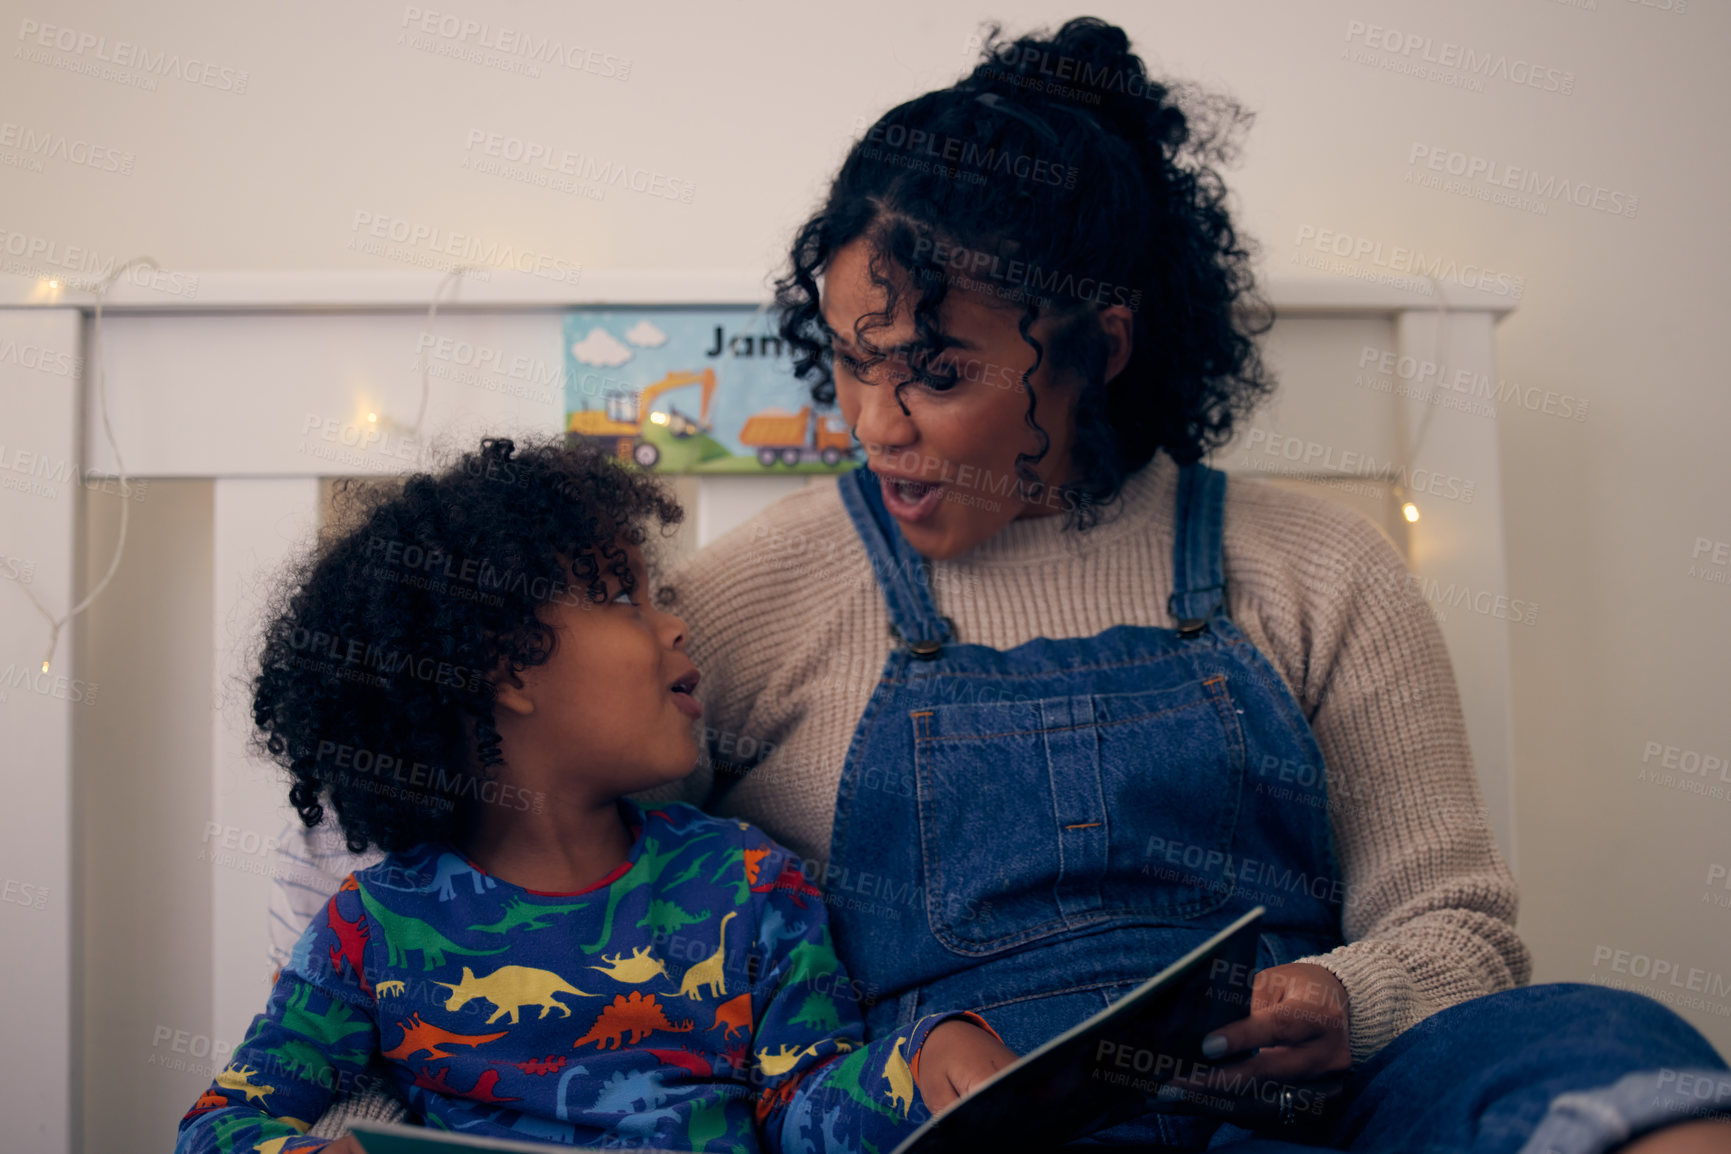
(1102, 1071)
(396, 1138)
(1111, 1067)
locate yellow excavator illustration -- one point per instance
(625, 417)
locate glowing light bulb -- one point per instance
(372, 418)
(53, 284)
(658, 418)
(45, 667)
(1409, 511)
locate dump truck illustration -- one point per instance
(777, 435)
(625, 417)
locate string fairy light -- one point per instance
(1408, 508)
(1394, 475)
(98, 367)
(377, 418)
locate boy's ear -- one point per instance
(509, 692)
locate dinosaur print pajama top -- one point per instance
(690, 1000)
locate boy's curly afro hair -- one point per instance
(374, 685)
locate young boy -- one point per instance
(472, 677)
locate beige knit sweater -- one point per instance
(790, 632)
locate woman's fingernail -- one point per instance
(1214, 1045)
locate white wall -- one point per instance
(144, 798)
(38, 874)
(754, 103)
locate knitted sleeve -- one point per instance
(1430, 904)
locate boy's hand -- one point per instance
(956, 1057)
(347, 1144)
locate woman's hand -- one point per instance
(955, 1058)
(1295, 1037)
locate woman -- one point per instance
(1045, 702)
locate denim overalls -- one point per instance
(1043, 828)
(1056, 822)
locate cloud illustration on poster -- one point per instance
(600, 347)
(646, 336)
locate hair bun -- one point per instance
(1086, 66)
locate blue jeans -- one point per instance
(1559, 1068)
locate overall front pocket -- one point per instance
(1042, 816)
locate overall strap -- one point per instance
(900, 572)
(1198, 566)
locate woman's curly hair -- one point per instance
(1065, 178)
(374, 684)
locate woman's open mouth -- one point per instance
(683, 696)
(908, 500)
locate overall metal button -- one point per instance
(927, 648)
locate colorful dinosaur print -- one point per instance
(810, 960)
(302, 1058)
(709, 971)
(561, 1108)
(734, 856)
(685, 1060)
(793, 880)
(436, 1083)
(533, 1071)
(541, 1130)
(510, 988)
(734, 1014)
(229, 1131)
(404, 935)
(901, 1079)
(630, 1091)
(526, 914)
(774, 927)
(638, 968)
(240, 1078)
(648, 869)
(845, 1075)
(450, 868)
(210, 1100)
(631, 1014)
(779, 1061)
(817, 1013)
(664, 917)
(351, 940)
(332, 1028)
(831, 1130)
(753, 858)
(775, 1098)
(419, 1035)
(481, 1091)
(639, 1128)
(540, 1067)
(706, 1122)
(689, 873)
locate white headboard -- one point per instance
(237, 378)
